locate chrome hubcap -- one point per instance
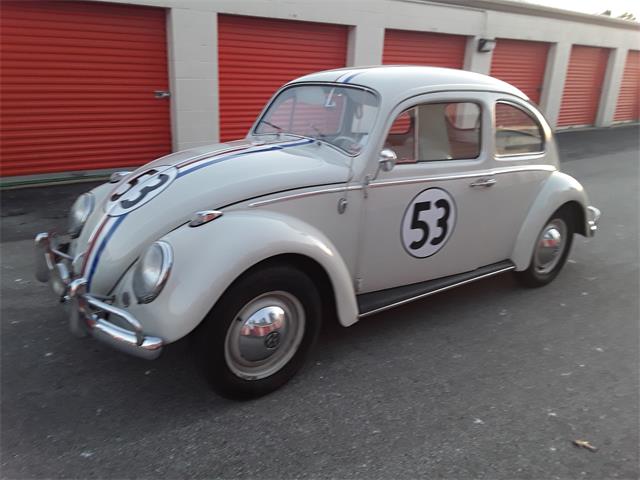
(550, 246)
(265, 335)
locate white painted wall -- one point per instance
(192, 37)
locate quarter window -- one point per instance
(517, 132)
(436, 131)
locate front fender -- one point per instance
(558, 189)
(207, 259)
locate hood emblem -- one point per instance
(140, 189)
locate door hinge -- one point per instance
(365, 186)
(358, 284)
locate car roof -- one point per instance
(397, 79)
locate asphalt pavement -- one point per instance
(489, 380)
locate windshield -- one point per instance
(340, 116)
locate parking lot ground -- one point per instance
(485, 381)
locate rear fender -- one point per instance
(558, 190)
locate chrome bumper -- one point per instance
(90, 315)
(593, 215)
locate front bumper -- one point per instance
(89, 314)
(593, 216)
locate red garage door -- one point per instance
(257, 55)
(583, 85)
(402, 47)
(522, 64)
(628, 107)
(77, 86)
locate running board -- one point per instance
(375, 302)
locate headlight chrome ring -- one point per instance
(152, 271)
(79, 213)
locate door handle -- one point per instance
(484, 182)
(161, 94)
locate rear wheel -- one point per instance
(550, 252)
(257, 336)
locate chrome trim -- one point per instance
(488, 182)
(44, 256)
(92, 205)
(306, 194)
(520, 156)
(87, 319)
(387, 160)
(165, 270)
(592, 222)
(117, 176)
(431, 178)
(423, 295)
(88, 312)
(204, 216)
(265, 336)
(485, 173)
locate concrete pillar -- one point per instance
(611, 87)
(475, 61)
(554, 77)
(365, 45)
(192, 36)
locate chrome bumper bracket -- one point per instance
(593, 216)
(89, 315)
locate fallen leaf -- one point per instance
(584, 444)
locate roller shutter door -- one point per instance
(583, 86)
(402, 47)
(628, 107)
(256, 56)
(77, 86)
(522, 64)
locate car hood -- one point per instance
(165, 193)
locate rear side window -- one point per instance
(436, 131)
(517, 132)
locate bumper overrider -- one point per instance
(90, 315)
(593, 215)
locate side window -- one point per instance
(435, 132)
(402, 136)
(517, 132)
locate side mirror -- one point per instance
(388, 159)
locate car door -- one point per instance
(431, 215)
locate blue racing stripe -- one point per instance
(101, 248)
(350, 77)
(229, 157)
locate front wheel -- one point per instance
(257, 336)
(550, 252)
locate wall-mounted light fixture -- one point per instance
(486, 45)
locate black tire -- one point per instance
(533, 277)
(211, 347)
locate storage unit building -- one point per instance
(92, 86)
(77, 82)
(423, 48)
(628, 106)
(522, 64)
(258, 55)
(583, 86)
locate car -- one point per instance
(355, 191)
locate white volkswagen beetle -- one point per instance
(355, 191)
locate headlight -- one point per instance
(79, 213)
(152, 271)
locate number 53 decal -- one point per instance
(428, 222)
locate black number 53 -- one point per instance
(418, 224)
